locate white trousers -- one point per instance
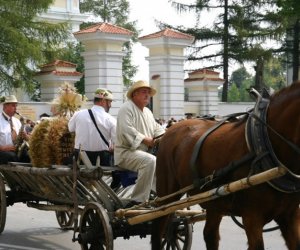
(144, 164)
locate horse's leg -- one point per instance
(289, 224)
(254, 230)
(211, 230)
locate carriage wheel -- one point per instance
(95, 231)
(65, 219)
(2, 205)
(179, 235)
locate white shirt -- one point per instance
(5, 130)
(133, 126)
(86, 135)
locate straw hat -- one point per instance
(9, 99)
(138, 85)
(103, 94)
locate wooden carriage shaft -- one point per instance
(205, 196)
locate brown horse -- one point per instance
(227, 144)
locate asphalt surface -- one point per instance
(27, 228)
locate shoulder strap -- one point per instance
(93, 119)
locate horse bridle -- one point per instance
(260, 150)
(258, 141)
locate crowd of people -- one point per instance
(124, 141)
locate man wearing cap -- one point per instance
(87, 137)
(136, 130)
(9, 129)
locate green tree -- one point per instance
(274, 79)
(239, 76)
(290, 9)
(241, 30)
(275, 74)
(233, 93)
(217, 35)
(25, 42)
(115, 12)
(72, 53)
(244, 90)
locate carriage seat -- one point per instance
(126, 177)
(120, 175)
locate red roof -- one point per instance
(168, 33)
(60, 73)
(64, 73)
(104, 28)
(203, 78)
(59, 63)
(204, 71)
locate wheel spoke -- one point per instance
(180, 238)
(95, 228)
(177, 245)
(178, 235)
(65, 219)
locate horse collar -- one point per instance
(258, 141)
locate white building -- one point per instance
(65, 11)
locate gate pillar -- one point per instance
(166, 70)
(103, 57)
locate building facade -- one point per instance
(65, 11)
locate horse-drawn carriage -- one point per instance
(211, 163)
(82, 192)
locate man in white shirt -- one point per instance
(87, 137)
(9, 130)
(136, 133)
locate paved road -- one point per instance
(28, 228)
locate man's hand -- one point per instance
(24, 136)
(148, 141)
(111, 148)
(8, 148)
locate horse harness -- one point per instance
(260, 150)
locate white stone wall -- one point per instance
(234, 107)
(37, 108)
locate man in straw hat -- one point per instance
(9, 129)
(87, 136)
(136, 130)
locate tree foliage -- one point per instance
(291, 9)
(25, 42)
(241, 80)
(234, 94)
(239, 76)
(72, 53)
(275, 74)
(240, 33)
